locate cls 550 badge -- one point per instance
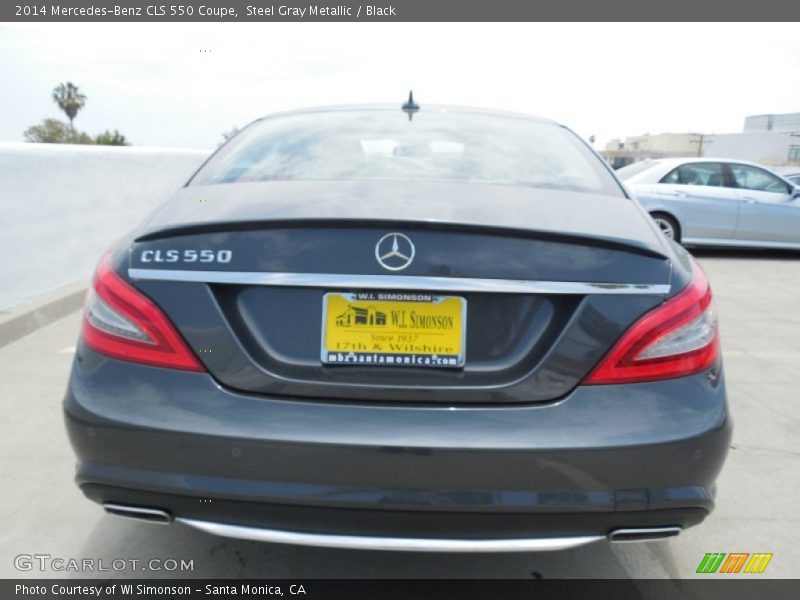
(186, 256)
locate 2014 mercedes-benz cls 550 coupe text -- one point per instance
(432, 329)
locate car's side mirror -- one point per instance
(796, 192)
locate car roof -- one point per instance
(662, 166)
(439, 108)
(705, 159)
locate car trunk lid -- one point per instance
(546, 294)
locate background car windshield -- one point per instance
(636, 168)
(386, 145)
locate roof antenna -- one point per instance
(410, 107)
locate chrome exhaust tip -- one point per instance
(140, 513)
(642, 534)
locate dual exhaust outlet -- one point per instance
(164, 517)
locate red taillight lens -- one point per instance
(123, 323)
(676, 339)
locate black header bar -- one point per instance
(398, 11)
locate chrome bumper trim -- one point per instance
(400, 282)
(354, 542)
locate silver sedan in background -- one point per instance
(716, 202)
(790, 173)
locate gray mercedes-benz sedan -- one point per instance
(427, 329)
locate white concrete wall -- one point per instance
(62, 205)
(764, 148)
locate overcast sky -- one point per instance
(153, 83)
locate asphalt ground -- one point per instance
(757, 293)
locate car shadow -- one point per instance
(217, 557)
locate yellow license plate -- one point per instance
(393, 329)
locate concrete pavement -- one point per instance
(757, 295)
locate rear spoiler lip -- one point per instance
(623, 245)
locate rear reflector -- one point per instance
(676, 339)
(121, 322)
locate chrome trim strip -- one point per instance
(357, 542)
(399, 282)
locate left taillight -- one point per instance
(121, 322)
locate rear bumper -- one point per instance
(603, 458)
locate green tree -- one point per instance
(111, 138)
(69, 99)
(53, 131)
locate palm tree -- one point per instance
(69, 99)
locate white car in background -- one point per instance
(790, 173)
(717, 202)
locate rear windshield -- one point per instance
(433, 146)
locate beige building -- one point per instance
(766, 139)
(634, 148)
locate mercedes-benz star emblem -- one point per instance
(394, 251)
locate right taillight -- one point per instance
(676, 339)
